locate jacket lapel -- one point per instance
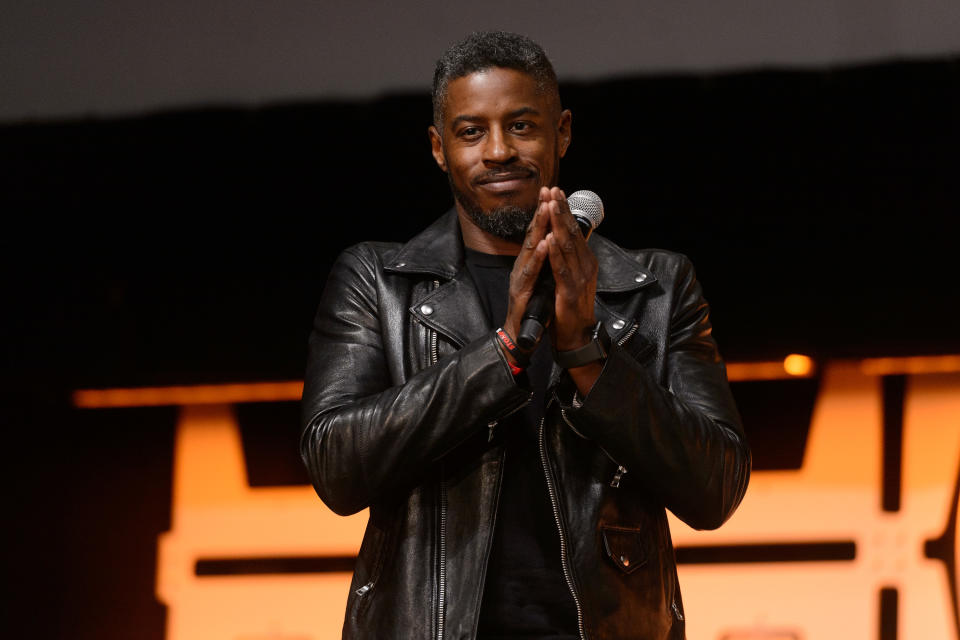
(454, 309)
(437, 250)
(618, 273)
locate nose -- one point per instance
(499, 148)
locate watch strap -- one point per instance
(596, 349)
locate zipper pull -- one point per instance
(363, 590)
(491, 426)
(615, 483)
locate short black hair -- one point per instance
(486, 50)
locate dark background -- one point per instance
(820, 208)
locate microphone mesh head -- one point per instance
(586, 204)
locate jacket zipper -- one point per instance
(441, 595)
(676, 610)
(441, 590)
(563, 538)
(492, 425)
(554, 503)
(434, 356)
(615, 483)
(628, 334)
(621, 470)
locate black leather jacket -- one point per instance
(404, 382)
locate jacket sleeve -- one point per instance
(364, 436)
(686, 441)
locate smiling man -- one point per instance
(515, 493)
(499, 134)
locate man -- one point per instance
(515, 493)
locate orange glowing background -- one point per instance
(834, 496)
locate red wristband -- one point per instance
(513, 350)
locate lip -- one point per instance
(503, 184)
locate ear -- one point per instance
(436, 148)
(563, 131)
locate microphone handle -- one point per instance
(539, 310)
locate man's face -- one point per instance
(502, 140)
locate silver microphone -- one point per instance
(587, 208)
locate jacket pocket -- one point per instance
(627, 548)
(362, 590)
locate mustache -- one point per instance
(511, 173)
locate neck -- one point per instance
(479, 240)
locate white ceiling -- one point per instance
(64, 58)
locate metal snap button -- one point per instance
(401, 264)
(625, 561)
(618, 324)
(426, 309)
(640, 277)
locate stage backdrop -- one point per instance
(849, 532)
(190, 247)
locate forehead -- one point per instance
(492, 93)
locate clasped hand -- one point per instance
(554, 233)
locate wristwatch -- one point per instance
(596, 349)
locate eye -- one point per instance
(522, 126)
(470, 132)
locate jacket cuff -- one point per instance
(615, 385)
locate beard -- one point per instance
(509, 222)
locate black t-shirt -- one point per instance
(525, 594)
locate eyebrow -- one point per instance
(522, 111)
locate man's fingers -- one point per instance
(574, 303)
(523, 278)
(529, 262)
(537, 228)
(525, 272)
(530, 269)
(569, 242)
(575, 272)
(564, 265)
